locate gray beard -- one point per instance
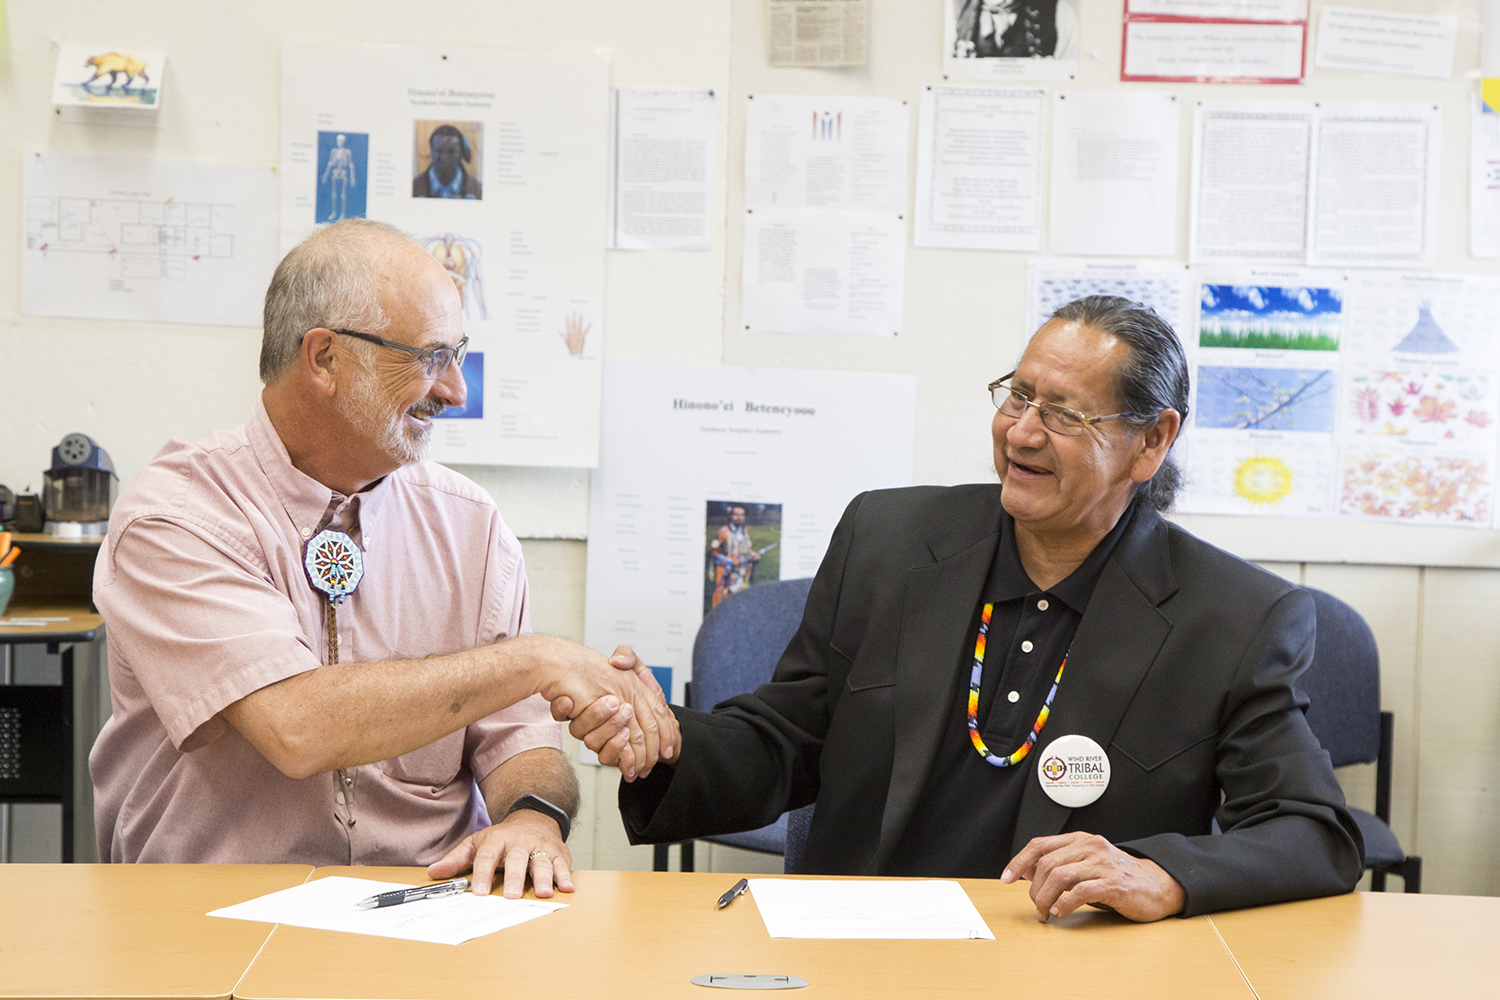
(362, 406)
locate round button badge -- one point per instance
(1073, 770)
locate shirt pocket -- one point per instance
(436, 764)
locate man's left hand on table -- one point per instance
(525, 842)
(1073, 869)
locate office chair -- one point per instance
(1343, 688)
(735, 653)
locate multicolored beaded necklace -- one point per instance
(974, 676)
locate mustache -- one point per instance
(428, 408)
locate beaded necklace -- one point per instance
(974, 677)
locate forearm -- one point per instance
(343, 715)
(543, 772)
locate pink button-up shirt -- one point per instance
(205, 600)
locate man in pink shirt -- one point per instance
(382, 701)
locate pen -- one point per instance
(728, 897)
(451, 888)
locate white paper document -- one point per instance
(1199, 50)
(1233, 10)
(1484, 180)
(661, 161)
(1372, 199)
(1250, 168)
(1159, 284)
(816, 32)
(126, 238)
(1114, 174)
(1381, 41)
(495, 163)
(926, 909)
(979, 168)
(987, 40)
(828, 152)
(825, 215)
(684, 447)
(328, 904)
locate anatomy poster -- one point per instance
(495, 163)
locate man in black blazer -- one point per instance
(1175, 658)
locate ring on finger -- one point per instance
(540, 854)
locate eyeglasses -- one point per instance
(1058, 419)
(438, 358)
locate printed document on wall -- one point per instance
(1250, 162)
(661, 161)
(825, 215)
(816, 32)
(1114, 174)
(1372, 201)
(1161, 285)
(1421, 395)
(1484, 180)
(715, 479)
(1263, 351)
(979, 168)
(128, 238)
(495, 163)
(1386, 41)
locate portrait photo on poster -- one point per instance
(447, 160)
(473, 408)
(343, 175)
(741, 549)
(1010, 38)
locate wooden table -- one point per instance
(646, 934)
(130, 930)
(1368, 944)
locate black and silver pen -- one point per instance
(728, 897)
(449, 888)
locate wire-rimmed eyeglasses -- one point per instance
(1059, 419)
(438, 358)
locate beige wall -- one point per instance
(1438, 632)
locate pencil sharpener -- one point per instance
(79, 488)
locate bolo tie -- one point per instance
(335, 566)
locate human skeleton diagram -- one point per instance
(460, 257)
(341, 169)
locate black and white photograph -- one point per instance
(1011, 39)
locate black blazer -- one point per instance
(1182, 668)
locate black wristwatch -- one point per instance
(544, 807)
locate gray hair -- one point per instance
(327, 280)
(1152, 379)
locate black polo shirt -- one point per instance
(966, 815)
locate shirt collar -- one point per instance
(453, 189)
(1008, 580)
(309, 504)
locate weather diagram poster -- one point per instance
(1419, 399)
(1052, 283)
(495, 163)
(1264, 356)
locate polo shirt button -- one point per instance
(1026, 646)
(1042, 604)
(1013, 697)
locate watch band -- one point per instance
(541, 805)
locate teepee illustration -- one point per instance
(1427, 337)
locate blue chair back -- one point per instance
(742, 639)
(1343, 683)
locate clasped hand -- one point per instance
(1073, 869)
(631, 731)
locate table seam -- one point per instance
(1230, 952)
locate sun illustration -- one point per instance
(1263, 479)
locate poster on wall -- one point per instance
(1010, 39)
(817, 32)
(1214, 41)
(495, 163)
(716, 479)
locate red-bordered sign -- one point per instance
(1168, 48)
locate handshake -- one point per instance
(615, 708)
